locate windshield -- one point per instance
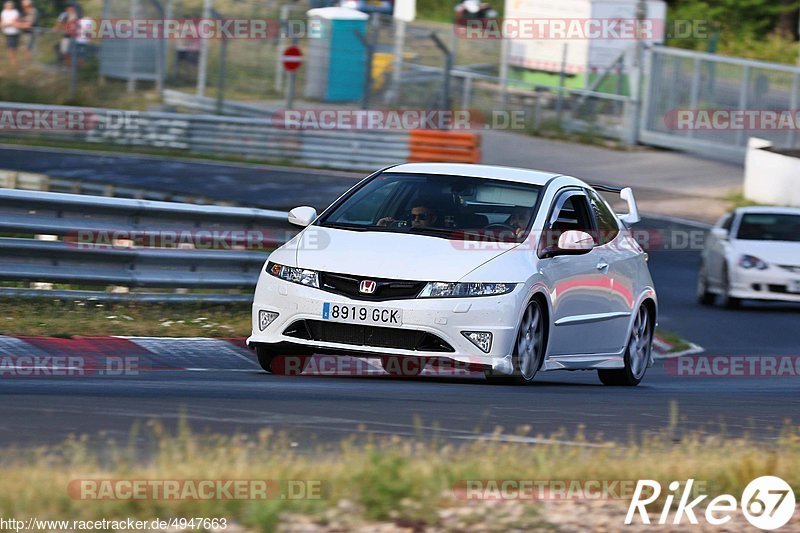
(454, 207)
(770, 227)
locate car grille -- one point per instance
(791, 268)
(373, 336)
(386, 289)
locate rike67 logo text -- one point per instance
(767, 502)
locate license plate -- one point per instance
(361, 314)
(793, 286)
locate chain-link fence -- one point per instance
(709, 103)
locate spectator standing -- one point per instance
(67, 24)
(9, 18)
(28, 23)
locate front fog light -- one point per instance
(265, 318)
(481, 339)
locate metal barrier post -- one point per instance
(73, 67)
(448, 67)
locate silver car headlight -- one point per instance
(302, 276)
(437, 289)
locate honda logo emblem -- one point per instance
(367, 286)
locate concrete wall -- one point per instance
(771, 178)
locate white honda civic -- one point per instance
(752, 253)
(507, 270)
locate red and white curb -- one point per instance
(663, 349)
(98, 354)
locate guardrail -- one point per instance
(213, 105)
(96, 241)
(249, 138)
(32, 181)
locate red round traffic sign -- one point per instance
(292, 58)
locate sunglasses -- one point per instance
(419, 216)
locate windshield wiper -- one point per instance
(460, 234)
(355, 227)
(345, 225)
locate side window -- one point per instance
(607, 226)
(571, 213)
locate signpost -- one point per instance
(291, 60)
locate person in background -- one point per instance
(9, 18)
(28, 23)
(67, 23)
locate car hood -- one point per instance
(391, 255)
(773, 252)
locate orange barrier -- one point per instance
(444, 146)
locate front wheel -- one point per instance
(637, 354)
(282, 365)
(704, 297)
(528, 350)
(727, 301)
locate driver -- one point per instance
(519, 220)
(421, 217)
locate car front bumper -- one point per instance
(445, 318)
(774, 283)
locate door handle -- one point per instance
(602, 265)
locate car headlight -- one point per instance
(309, 278)
(751, 261)
(437, 289)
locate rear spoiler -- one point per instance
(626, 193)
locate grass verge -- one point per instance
(64, 318)
(407, 482)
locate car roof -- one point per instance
(768, 209)
(523, 175)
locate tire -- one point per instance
(727, 301)
(281, 365)
(637, 354)
(406, 367)
(529, 348)
(703, 296)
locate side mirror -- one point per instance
(720, 233)
(571, 242)
(302, 216)
(632, 217)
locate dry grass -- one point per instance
(56, 318)
(393, 479)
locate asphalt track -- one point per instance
(227, 394)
